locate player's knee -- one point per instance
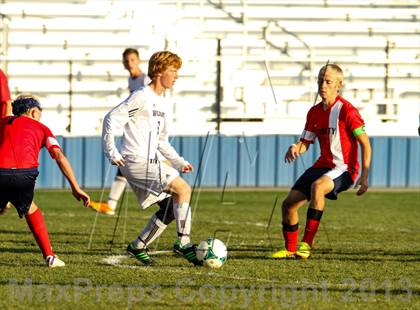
(292, 203)
(180, 190)
(317, 187)
(184, 189)
(286, 205)
(187, 189)
(32, 208)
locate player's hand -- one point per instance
(119, 162)
(291, 154)
(363, 183)
(81, 195)
(187, 168)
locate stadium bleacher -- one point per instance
(43, 42)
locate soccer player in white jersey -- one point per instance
(144, 119)
(136, 80)
(339, 128)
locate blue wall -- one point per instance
(237, 160)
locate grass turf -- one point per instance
(366, 255)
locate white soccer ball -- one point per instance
(212, 252)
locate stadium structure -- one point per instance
(249, 67)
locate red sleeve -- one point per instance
(50, 141)
(353, 119)
(4, 88)
(308, 135)
(309, 121)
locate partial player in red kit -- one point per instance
(5, 101)
(21, 138)
(339, 129)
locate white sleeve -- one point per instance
(114, 121)
(167, 149)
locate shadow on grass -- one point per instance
(50, 231)
(317, 291)
(370, 255)
(14, 232)
(34, 249)
(17, 250)
(330, 254)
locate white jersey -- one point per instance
(143, 116)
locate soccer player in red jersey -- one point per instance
(5, 101)
(22, 137)
(339, 129)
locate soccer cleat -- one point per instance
(304, 250)
(102, 207)
(140, 254)
(283, 254)
(53, 261)
(187, 251)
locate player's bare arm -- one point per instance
(363, 140)
(294, 151)
(9, 108)
(67, 171)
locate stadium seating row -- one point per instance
(289, 40)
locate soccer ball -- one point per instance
(212, 252)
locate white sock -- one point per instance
(153, 229)
(117, 188)
(182, 214)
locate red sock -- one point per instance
(312, 222)
(39, 230)
(310, 230)
(291, 235)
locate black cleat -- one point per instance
(141, 255)
(188, 252)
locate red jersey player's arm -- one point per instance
(8, 108)
(67, 171)
(295, 150)
(363, 140)
(308, 136)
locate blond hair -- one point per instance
(160, 61)
(333, 67)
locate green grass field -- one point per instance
(367, 256)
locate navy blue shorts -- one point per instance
(17, 186)
(341, 183)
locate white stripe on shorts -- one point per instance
(335, 173)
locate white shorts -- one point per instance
(148, 179)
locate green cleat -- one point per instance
(283, 254)
(187, 251)
(141, 255)
(304, 250)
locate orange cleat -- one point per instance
(102, 207)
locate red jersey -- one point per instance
(335, 130)
(4, 93)
(21, 139)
